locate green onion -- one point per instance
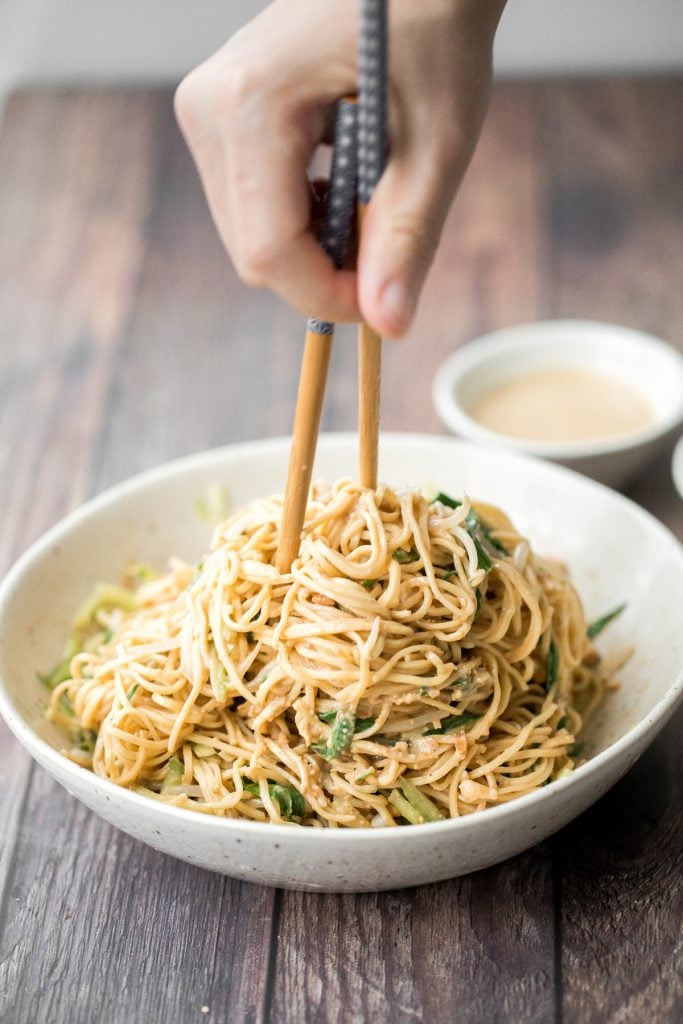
(341, 738)
(597, 627)
(552, 665)
(174, 775)
(448, 502)
(464, 683)
(480, 600)
(453, 722)
(361, 725)
(403, 557)
(494, 540)
(84, 739)
(482, 535)
(290, 800)
(133, 690)
(425, 807)
(423, 691)
(368, 584)
(483, 560)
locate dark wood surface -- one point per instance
(126, 340)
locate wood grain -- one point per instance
(126, 339)
(621, 900)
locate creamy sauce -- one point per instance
(562, 404)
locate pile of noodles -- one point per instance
(419, 661)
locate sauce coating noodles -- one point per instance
(418, 662)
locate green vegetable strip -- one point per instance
(202, 749)
(105, 595)
(403, 557)
(289, 799)
(85, 740)
(453, 722)
(425, 807)
(59, 673)
(174, 775)
(405, 809)
(342, 735)
(65, 705)
(552, 666)
(448, 502)
(133, 690)
(483, 560)
(219, 687)
(494, 540)
(361, 725)
(597, 627)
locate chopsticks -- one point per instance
(359, 152)
(372, 145)
(339, 203)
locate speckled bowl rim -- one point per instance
(502, 342)
(44, 752)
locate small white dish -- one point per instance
(645, 363)
(677, 466)
(615, 551)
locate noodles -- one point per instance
(418, 662)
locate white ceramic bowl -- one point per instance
(640, 360)
(615, 550)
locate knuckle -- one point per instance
(416, 231)
(215, 90)
(256, 262)
(240, 80)
(188, 100)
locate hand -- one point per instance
(254, 113)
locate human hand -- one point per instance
(254, 113)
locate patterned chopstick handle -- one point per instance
(341, 194)
(373, 66)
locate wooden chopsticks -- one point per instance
(339, 203)
(358, 161)
(372, 146)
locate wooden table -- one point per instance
(126, 340)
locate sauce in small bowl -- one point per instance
(594, 396)
(563, 403)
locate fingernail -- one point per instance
(398, 303)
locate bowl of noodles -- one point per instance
(458, 663)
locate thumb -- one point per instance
(400, 234)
